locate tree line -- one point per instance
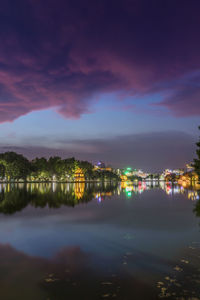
(14, 167)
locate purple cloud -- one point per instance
(66, 54)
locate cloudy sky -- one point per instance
(112, 80)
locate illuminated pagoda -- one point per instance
(124, 178)
(79, 175)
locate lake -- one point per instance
(99, 241)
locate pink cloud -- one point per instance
(65, 55)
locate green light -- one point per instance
(129, 194)
(128, 169)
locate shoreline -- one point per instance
(90, 181)
(50, 181)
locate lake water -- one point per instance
(93, 241)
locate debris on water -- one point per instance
(167, 278)
(106, 295)
(177, 268)
(107, 283)
(51, 279)
(163, 293)
(185, 261)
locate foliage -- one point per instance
(15, 167)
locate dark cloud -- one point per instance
(149, 151)
(66, 53)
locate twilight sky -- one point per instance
(115, 80)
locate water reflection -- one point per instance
(15, 197)
(133, 241)
(191, 192)
(67, 275)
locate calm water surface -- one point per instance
(81, 241)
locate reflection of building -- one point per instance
(79, 175)
(79, 189)
(129, 187)
(193, 195)
(101, 196)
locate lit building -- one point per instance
(79, 175)
(102, 167)
(177, 172)
(124, 178)
(189, 167)
(134, 172)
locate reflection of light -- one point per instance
(98, 197)
(129, 188)
(176, 190)
(54, 186)
(129, 194)
(193, 195)
(79, 189)
(168, 189)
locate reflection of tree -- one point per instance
(15, 198)
(197, 206)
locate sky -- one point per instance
(117, 81)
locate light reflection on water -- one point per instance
(96, 241)
(73, 194)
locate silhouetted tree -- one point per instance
(197, 160)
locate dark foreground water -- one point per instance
(65, 241)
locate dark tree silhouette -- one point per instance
(197, 160)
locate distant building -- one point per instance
(100, 164)
(102, 167)
(189, 167)
(134, 172)
(168, 172)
